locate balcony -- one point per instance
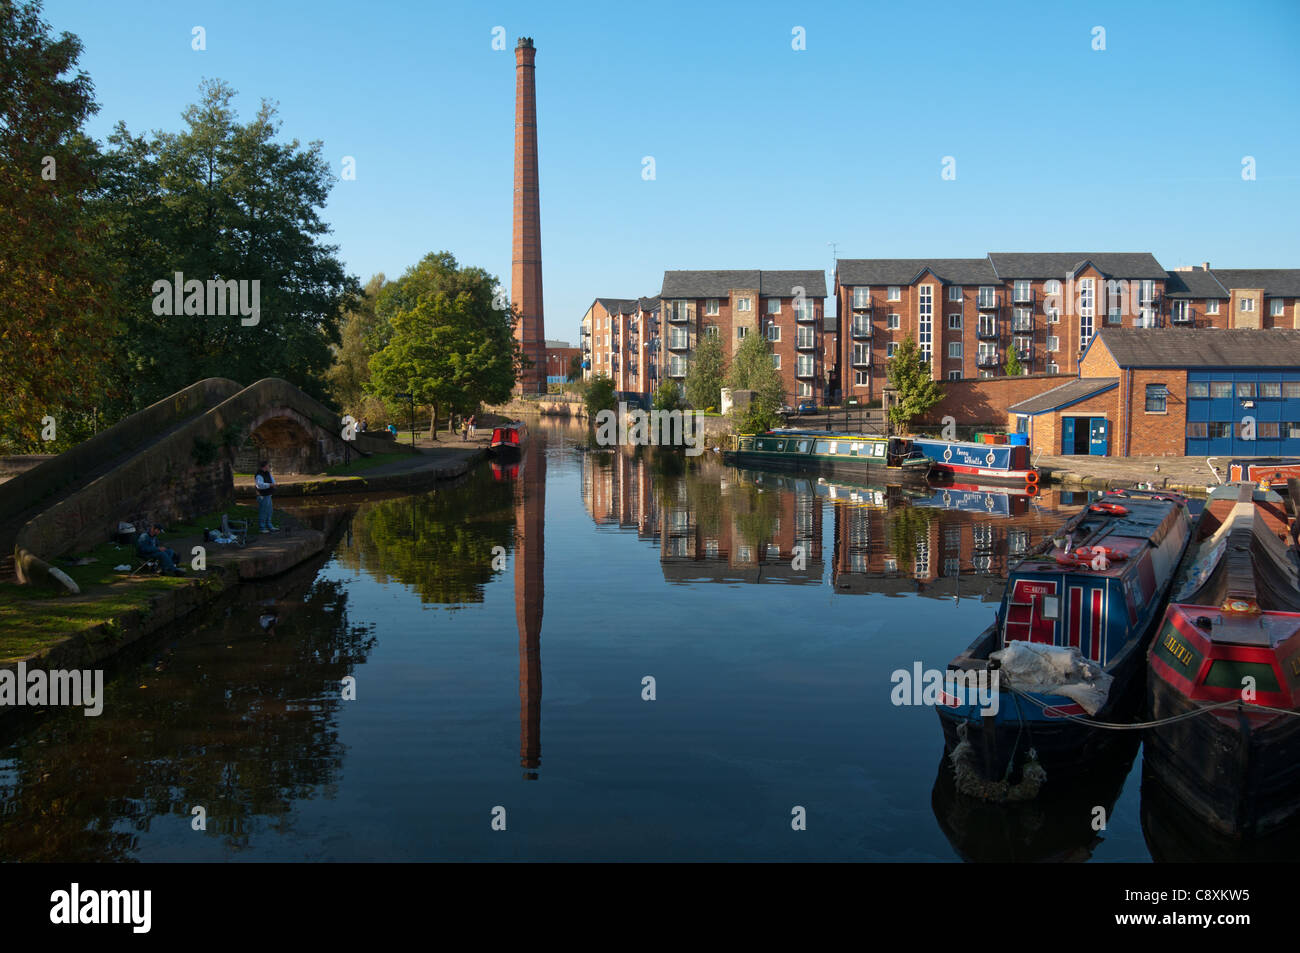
(987, 331)
(864, 306)
(988, 359)
(1025, 352)
(805, 343)
(862, 358)
(678, 370)
(1023, 323)
(861, 329)
(988, 302)
(805, 369)
(677, 315)
(1023, 296)
(679, 342)
(1184, 319)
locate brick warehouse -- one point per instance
(1172, 391)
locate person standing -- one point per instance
(265, 485)
(472, 424)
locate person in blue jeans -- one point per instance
(147, 545)
(265, 485)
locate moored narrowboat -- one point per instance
(891, 459)
(965, 462)
(1229, 648)
(1271, 473)
(1066, 647)
(508, 440)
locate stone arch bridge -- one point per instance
(172, 461)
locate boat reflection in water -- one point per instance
(1062, 828)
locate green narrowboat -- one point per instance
(893, 459)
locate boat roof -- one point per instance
(1146, 520)
(840, 434)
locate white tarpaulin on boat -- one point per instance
(1055, 669)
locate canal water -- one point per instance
(611, 656)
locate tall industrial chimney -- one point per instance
(526, 264)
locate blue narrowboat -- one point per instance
(978, 462)
(1086, 601)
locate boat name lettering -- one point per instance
(1179, 651)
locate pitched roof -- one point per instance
(1201, 347)
(1068, 393)
(1278, 282)
(719, 284)
(1193, 284)
(614, 305)
(1060, 264)
(904, 271)
(649, 304)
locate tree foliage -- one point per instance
(1013, 367)
(444, 342)
(910, 377)
(600, 396)
(668, 395)
(350, 372)
(704, 376)
(752, 369)
(56, 286)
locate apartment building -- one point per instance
(621, 337)
(786, 307)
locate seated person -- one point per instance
(147, 545)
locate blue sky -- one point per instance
(763, 154)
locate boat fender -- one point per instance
(1114, 509)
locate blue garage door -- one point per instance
(1243, 413)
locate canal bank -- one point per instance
(1190, 475)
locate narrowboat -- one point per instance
(1271, 473)
(508, 440)
(893, 459)
(1229, 648)
(1066, 647)
(964, 462)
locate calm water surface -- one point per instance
(499, 632)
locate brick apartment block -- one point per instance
(787, 307)
(620, 340)
(968, 313)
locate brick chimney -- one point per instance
(526, 260)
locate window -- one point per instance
(1268, 430)
(1246, 389)
(805, 310)
(773, 331)
(741, 332)
(891, 322)
(1087, 304)
(861, 297)
(1196, 431)
(711, 306)
(710, 330)
(1053, 342)
(861, 326)
(1021, 290)
(1180, 312)
(1212, 306)
(954, 322)
(895, 293)
(926, 330)
(954, 375)
(1291, 389)
(804, 365)
(805, 389)
(743, 304)
(861, 378)
(954, 350)
(1270, 389)
(807, 336)
(954, 292)
(1221, 389)
(1293, 430)
(1276, 307)
(1219, 430)
(988, 354)
(1113, 316)
(890, 348)
(1157, 395)
(776, 361)
(862, 354)
(678, 338)
(987, 296)
(1246, 304)
(1053, 368)
(1198, 389)
(773, 305)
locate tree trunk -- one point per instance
(433, 422)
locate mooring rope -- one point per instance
(1139, 725)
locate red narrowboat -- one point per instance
(508, 440)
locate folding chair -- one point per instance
(235, 528)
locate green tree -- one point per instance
(55, 285)
(445, 342)
(223, 200)
(910, 377)
(752, 369)
(1013, 367)
(704, 376)
(575, 368)
(668, 395)
(600, 396)
(350, 372)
